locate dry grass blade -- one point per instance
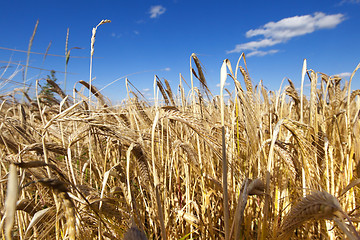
(10, 202)
(156, 179)
(349, 91)
(223, 76)
(37, 164)
(67, 57)
(38, 147)
(352, 184)
(92, 46)
(11, 146)
(94, 91)
(249, 187)
(22, 116)
(31, 164)
(303, 73)
(313, 106)
(28, 206)
(104, 182)
(129, 196)
(58, 90)
(41, 216)
(28, 52)
(62, 114)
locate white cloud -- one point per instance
(166, 69)
(349, 1)
(261, 53)
(146, 90)
(253, 45)
(283, 30)
(140, 21)
(344, 75)
(288, 28)
(156, 11)
(136, 32)
(226, 84)
(116, 35)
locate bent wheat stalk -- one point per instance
(316, 206)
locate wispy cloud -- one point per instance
(156, 11)
(344, 75)
(349, 1)
(226, 84)
(262, 53)
(282, 31)
(146, 92)
(141, 21)
(166, 69)
(120, 35)
(116, 35)
(254, 45)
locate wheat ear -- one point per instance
(316, 206)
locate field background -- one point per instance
(245, 163)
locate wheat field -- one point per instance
(245, 163)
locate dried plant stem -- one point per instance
(67, 58)
(10, 202)
(28, 55)
(223, 76)
(92, 52)
(156, 179)
(92, 49)
(303, 73)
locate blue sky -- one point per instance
(158, 37)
